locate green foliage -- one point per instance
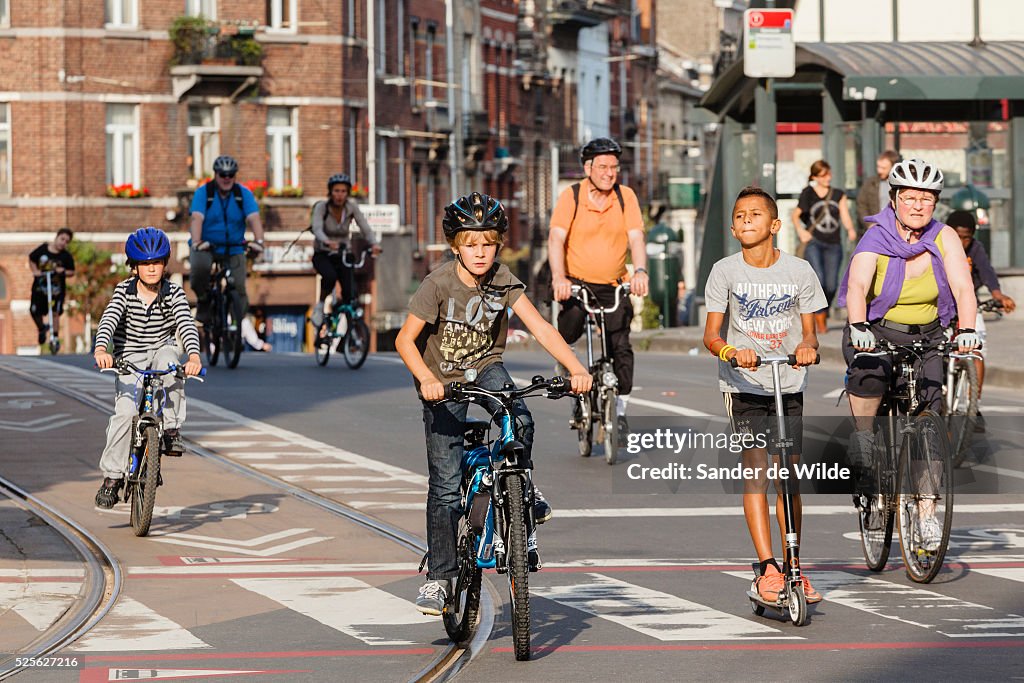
(246, 50)
(94, 280)
(189, 35)
(196, 38)
(650, 314)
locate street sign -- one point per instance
(768, 47)
(383, 218)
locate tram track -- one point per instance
(445, 665)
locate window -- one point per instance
(5, 148)
(282, 147)
(400, 37)
(203, 139)
(122, 13)
(353, 126)
(350, 18)
(201, 8)
(123, 144)
(414, 28)
(282, 15)
(5, 19)
(428, 61)
(381, 26)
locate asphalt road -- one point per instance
(639, 583)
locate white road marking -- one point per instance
(365, 490)
(1001, 471)
(122, 674)
(835, 393)
(40, 604)
(131, 626)
(945, 615)
(243, 547)
(653, 613)
(41, 424)
(657, 405)
(335, 479)
(378, 505)
(296, 467)
(1009, 573)
(737, 510)
(1008, 410)
(343, 603)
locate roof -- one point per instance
(900, 71)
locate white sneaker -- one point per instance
(432, 598)
(930, 532)
(318, 315)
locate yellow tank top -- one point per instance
(919, 298)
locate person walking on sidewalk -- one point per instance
(594, 224)
(874, 192)
(817, 217)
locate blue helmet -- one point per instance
(147, 244)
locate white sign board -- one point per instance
(383, 218)
(768, 47)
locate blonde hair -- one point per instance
(461, 238)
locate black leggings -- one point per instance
(573, 317)
(333, 270)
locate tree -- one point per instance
(90, 289)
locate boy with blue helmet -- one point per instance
(148, 323)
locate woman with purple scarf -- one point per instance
(907, 281)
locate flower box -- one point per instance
(127, 191)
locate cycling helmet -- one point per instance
(915, 174)
(339, 179)
(474, 212)
(226, 165)
(599, 146)
(147, 244)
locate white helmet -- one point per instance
(916, 174)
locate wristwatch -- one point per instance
(639, 270)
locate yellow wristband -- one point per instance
(724, 350)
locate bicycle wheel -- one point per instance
(322, 343)
(611, 428)
(460, 612)
(584, 413)
(964, 409)
(144, 492)
(231, 335)
(210, 335)
(876, 520)
(356, 343)
(925, 490)
(518, 567)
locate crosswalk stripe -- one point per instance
(943, 614)
(343, 603)
(40, 604)
(653, 613)
(131, 626)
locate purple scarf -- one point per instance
(884, 239)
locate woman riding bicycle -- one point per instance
(330, 224)
(906, 282)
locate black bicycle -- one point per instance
(911, 478)
(142, 475)
(598, 406)
(961, 392)
(497, 529)
(223, 333)
(345, 325)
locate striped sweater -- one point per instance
(133, 326)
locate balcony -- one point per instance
(476, 128)
(436, 115)
(213, 59)
(572, 15)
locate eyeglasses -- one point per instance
(604, 168)
(226, 175)
(928, 200)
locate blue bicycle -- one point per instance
(497, 530)
(142, 476)
(345, 325)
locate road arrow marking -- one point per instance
(243, 547)
(131, 626)
(42, 424)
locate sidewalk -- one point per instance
(1004, 346)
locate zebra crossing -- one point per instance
(668, 602)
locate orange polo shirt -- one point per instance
(595, 250)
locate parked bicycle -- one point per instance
(142, 475)
(598, 407)
(223, 333)
(962, 392)
(47, 266)
(345, 325)
(912, 475)
(497, 530)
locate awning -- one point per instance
(900, 71)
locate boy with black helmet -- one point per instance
(147, 322)
(458, 320)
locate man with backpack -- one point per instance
(222, 211)
(594, 223)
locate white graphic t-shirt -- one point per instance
(762, 309)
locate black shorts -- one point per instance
(869, 376)
(750, 413)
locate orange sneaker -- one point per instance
(810, 592)
(770, 584)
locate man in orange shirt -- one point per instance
(593, 225)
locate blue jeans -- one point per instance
(825, 260)
(444, 430)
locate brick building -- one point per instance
(139, 97)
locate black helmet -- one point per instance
(339, 179)
(474, 212)
(226, 165)
(599, 146)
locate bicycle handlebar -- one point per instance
(556, 387)
(577, 290)
(126, 367)
(991, 306)
(362, 258)
(884, 347)
(767, 360)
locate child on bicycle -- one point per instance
(148, 322)
(458, 320)
(766, 300)
(982, 273)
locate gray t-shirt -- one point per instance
(762, 309)
(464, 330)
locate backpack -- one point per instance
(576, 200)
(211, 188)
